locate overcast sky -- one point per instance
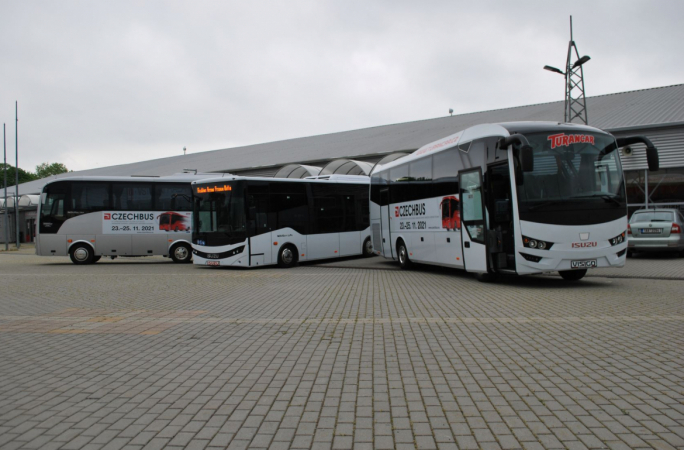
(112, 82)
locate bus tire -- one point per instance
(82, 254)
(367, 249)
(97, 258)
(573, 275)
(287, 256)
(403, 255)
(181, 253)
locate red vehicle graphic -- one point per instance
(451, 215)
(172, 221)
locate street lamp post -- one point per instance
(575, 106)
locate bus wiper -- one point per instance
(542, 205)
(606, 197)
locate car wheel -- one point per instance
(404, 260)
(181, 253)
(367, 249)
(82, 254)
(573, 275)
(287, 256)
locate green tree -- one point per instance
(24, 176)
(47, 169)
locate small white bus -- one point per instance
(249, 222)
(518, 198)
(90, 217)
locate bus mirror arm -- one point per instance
(524, 154)
(651, 150)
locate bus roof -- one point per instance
(352, 179)
(484, 130)
(176, 178)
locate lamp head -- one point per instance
(553, 69)
(581, 61)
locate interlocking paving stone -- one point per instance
(147, 354)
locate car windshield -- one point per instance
(572, 167)
(652, 216)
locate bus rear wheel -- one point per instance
(573, 275)
(82, 254)
(404, 260)
(367, 249)
(181, 253)
(287, 256)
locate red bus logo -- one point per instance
(451, 214)
(107, 216)
(396, 211)
(172, 221)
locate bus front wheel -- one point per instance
(404, 260)
(181, 253)
(573, 275)
(82, 254)
(367, 249)
(287, 256)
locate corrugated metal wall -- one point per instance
(670, 144)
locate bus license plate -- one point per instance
(213, 263)
(585, 264)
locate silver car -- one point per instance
(655, 230)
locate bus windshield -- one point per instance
(572, 172)
(220, 213)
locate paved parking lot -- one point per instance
(143, 353)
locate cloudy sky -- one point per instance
(104, 83)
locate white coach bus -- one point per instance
(90, 217)
(518, 198)
(249, 222)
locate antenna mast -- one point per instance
(575, 107)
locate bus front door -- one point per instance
(385, 221)
(473, 220)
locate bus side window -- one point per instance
(132, 196)
(399, 184)
(173, 197)
(328, 213)
(258, 208)
(420, 174)
(88, 197)
(445, 168)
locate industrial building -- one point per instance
(657, 113)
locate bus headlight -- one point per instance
(619, 239)
(536, 243)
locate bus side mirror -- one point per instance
(651, 150)
(526, 158)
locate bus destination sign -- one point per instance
(215, 188)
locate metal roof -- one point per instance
(625, 110)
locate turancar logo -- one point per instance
(563, 140)
(416, 209)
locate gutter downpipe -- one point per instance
(4, 141)
(16, 187)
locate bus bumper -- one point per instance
(225, 255)
(560, 260)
